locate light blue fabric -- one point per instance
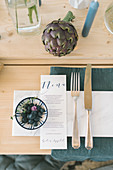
(102, 80)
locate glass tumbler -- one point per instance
(25, 15)
(108, 18)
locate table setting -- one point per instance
(102, 145)
(78, 112)
(56, 74)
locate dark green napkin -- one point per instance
(102, 80)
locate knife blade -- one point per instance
(88, 105)
(88, 88)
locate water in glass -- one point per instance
(25, 15)
(108, 18)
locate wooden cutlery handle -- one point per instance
(89, 138)
(75, 136)
(1, 66)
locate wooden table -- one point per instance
(25, 59)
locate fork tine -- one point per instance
(79, 81)
(71, 86)
(76, 81)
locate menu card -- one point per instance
(53, 134)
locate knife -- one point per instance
(88, 105)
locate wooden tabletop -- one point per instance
(97, 46)
(25, 59)
(17, 78)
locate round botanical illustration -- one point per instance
(31, 113)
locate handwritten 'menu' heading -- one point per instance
(49, 84)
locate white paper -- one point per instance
(53, 134)
(101, 116)
(79, 4)
(17, 130)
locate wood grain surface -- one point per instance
(25, 59)
(17, 78)
(98, 46)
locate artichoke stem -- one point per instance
(69, 17)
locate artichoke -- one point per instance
(60, 37)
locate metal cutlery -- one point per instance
(88, 105)
(75, 91)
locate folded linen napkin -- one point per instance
(102, 80)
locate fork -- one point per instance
(75, 92)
